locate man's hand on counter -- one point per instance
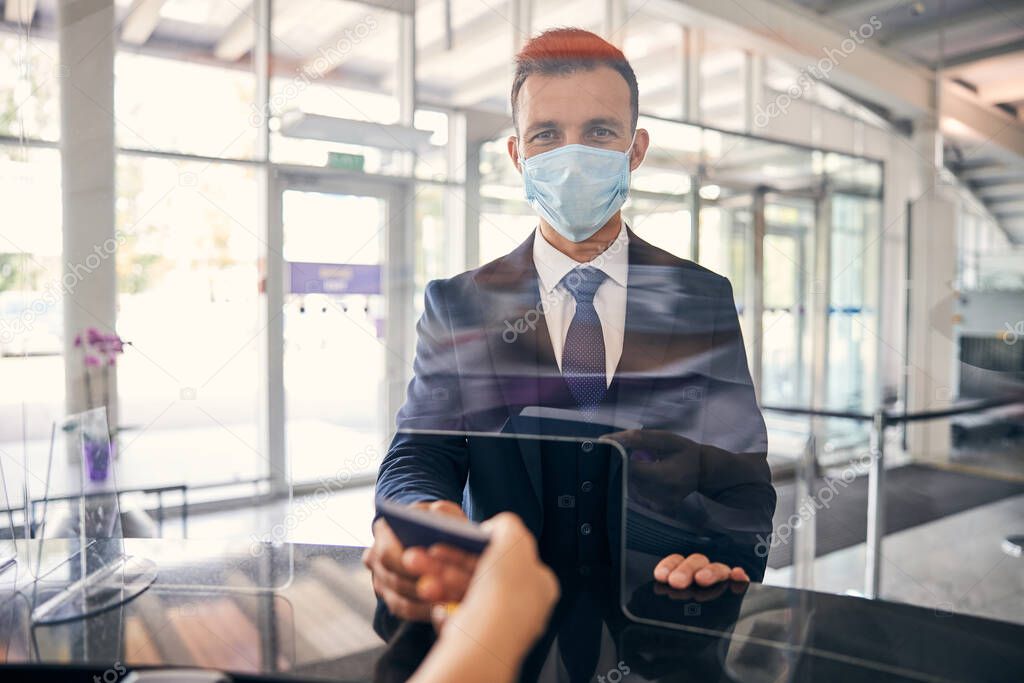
(679, 571)
(411, 580)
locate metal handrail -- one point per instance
(881, 419)
(897, 418)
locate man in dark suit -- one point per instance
(585, 320)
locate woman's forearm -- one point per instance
(483, 655)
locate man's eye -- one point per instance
(543, 135)
(602, 132)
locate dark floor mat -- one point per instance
(915, 494)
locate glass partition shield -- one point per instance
(79, 564)
(565, 485)
(687, 499)
(78, 557)
(8, 539)
(712, 497)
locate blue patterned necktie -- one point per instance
(583, 355)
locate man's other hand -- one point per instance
(410, 580)
(679, 571)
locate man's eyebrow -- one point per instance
(539, 125)
(605, 121)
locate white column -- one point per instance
(616, 14)
(271, 344)
(820, 302)
(755, 290)
(86, 35)
(931, 345)
(753, 81)
(693, 50)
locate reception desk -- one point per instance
(305, 612)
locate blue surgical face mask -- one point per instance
(576, 188)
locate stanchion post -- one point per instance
(804, 533)
(876, 507)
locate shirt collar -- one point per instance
(552, 265)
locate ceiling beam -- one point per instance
(19, 11)
(1011, 90)
(862, 7)
(799, 37)
(342, 45)
(1014, 226)
(972, 56)
(238, 39)
(995, 193)
(1006, 206)
(930, 24)
(996, 173)
(996, 133)
(141, 20)
(484, 27)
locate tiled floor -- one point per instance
(954, 564)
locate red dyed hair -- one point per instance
(562, 51)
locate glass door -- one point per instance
(343, 359)
(787, 274)
(725, 245)
(776, 290)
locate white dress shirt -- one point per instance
(609, 301)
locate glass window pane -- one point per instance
(501, 232)
(188, 302)
(853, 316)
(722, 82)
(665, 224)
(31, 308)
(335, 65)
(196, 94)
(29, 87)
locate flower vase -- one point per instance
(97, 454)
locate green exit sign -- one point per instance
(349, 162)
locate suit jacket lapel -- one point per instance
(519, 344)
(651, 316)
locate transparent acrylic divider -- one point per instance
(686, 497)
(78, 558)
(82, 484)
(529, 449)
(8, 539)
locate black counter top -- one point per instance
(305, 612)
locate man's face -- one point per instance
(587, 107)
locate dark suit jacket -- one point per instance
(484, 353)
